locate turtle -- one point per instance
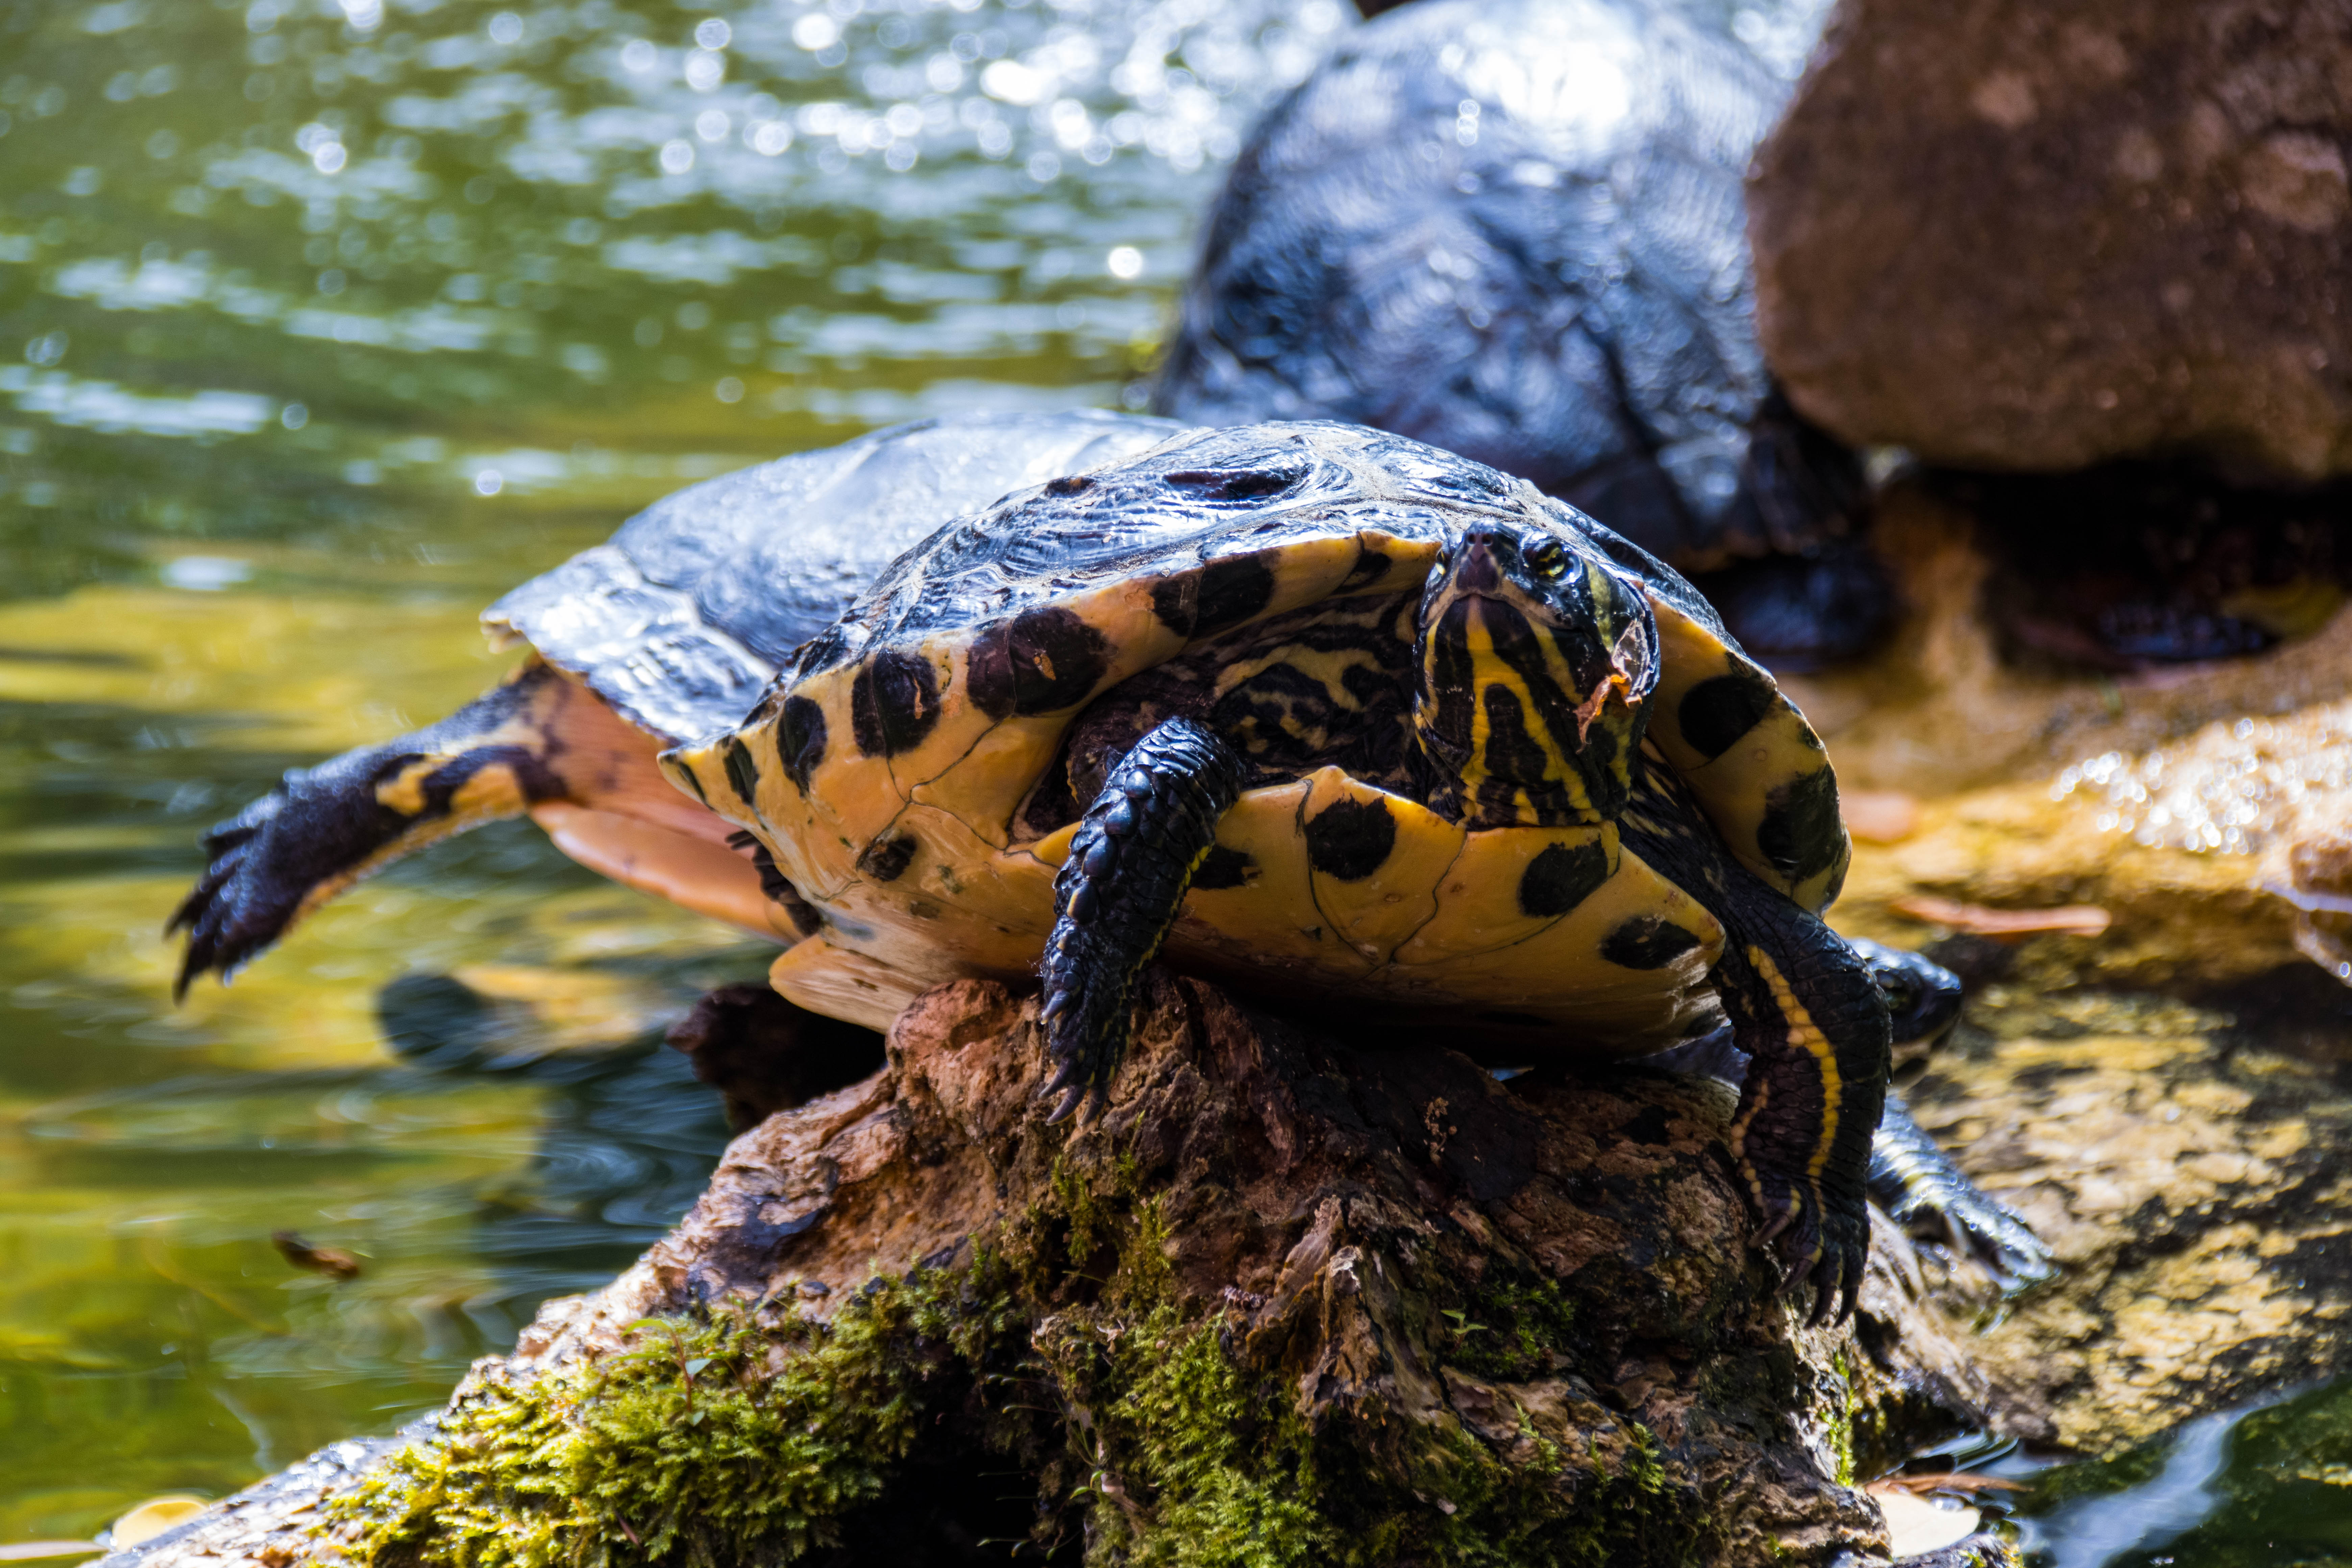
(1514, 229)
(1344, 720)
(664, 634)
(669, 633)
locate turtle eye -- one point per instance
(1545, 558)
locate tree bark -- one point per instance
(1278, 1301)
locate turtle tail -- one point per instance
(324, 828)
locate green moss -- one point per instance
(754, 1437)
(736, 1437)
(1509, 1328)
(1837, 1427)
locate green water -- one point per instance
(319, 326)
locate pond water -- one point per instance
(322, 323)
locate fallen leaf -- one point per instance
(153, 1517)
(1915, 1526)
(2067, 919)
(332, 1261)
(1948, 1481)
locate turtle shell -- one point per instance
(683, 616)
(1515, 228)
(896, 769)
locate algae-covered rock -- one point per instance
(1279, 1303)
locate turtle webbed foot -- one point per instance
(1985, 1230)
(238, 906)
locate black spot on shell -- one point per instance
(1223, 867)
(886, 858)
(1222, 594)
(696, 783)
(775, 886)
(1646, 941)
(1228, 486)
(1038, 662)
(1350, 839)
(1069, 485)
(1232, 591)
(1370, 566)
(741, 771)
(1561, 878)
(800, 739)
(894, 702)
(1715, 712)
(1801, 836)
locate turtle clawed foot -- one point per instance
(1082, 1068)
(1818, 1244)
(1975, 1227)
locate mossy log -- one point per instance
(1279, 1302)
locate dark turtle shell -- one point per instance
(683, 618)
(1514, 228)
(890, 770)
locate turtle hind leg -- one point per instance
(1911, 1178)
(1131, 862)
(1918, 1184)
(1808, 1015)
(323, 828)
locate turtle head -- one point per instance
(1534, 658)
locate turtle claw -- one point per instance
(1071, 1096)
(1922, 1189)
(1816, 1245)
(1979, 1228)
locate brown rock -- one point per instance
(1468, 1309)
(2017, 237)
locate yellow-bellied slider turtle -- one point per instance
(1514, 229)
(1347, 720)
(672, 629)
(667, 633)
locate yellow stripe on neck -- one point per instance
(1489, 668)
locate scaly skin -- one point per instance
(1131, 862)
(1810, 1017)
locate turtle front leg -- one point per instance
(1805, 1009)
(1131, 862)
(1808, 1013)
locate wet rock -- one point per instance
(2168, 1103)
(2014, 237)
(1275, 1287)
